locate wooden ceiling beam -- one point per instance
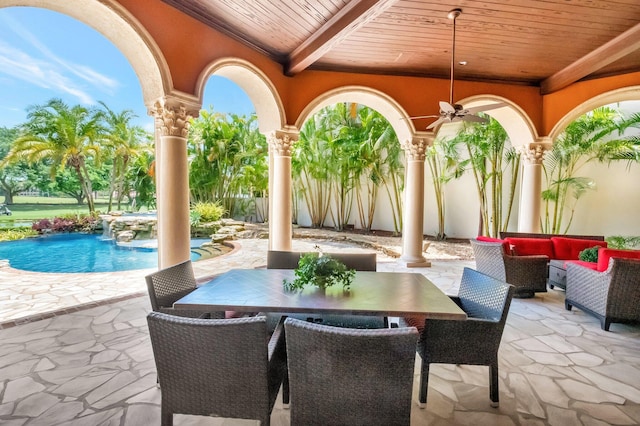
(619, 47)
(351, 17)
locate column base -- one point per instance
(419, 262)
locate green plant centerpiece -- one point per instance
(589, 254)
(321, 271)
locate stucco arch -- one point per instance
(115, 23)
(511, 117)
(381, 102)
(257, 86)
(631, 93)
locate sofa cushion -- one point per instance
(569, 248)
(505, 245)
(531, 246)
(604, 254)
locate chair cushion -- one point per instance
(604, 254)
(590, 265)
(505, 244)
(531, 246)
(569, 248)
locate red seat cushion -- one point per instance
(604, 254)
(505, 245)
(531, 246)
(569, 248)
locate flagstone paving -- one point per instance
(73, 355)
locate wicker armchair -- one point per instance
(612, 295)
(343, 376)
(290, 259)
(221, 366)
(170, 284)
(528, 274)
(475, 341)
(357, 261)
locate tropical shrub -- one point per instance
(207, 212)
(621, 242)
(16, 234)
(67, 223)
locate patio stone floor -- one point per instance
(71, 354)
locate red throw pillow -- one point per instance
(505, 245)
(532, 246)
(604, 254)
(569, 248)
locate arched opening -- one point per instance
(123, 30)
(255, 84)
(610, 203)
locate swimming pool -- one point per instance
(77, 253)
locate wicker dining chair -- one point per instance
(474, 341)
(341, 376)
(217, 367)
(170, 284)
(357, 261)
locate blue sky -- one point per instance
(44, 55)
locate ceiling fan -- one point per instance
(450, 112)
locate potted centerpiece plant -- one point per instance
(321, 271)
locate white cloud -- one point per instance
(48, 70)
(20, 65)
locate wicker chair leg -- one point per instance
(285, 390)
(424, 384)
(166, 417)
(494, 394)
(567, 305)
(605, 322)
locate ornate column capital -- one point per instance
(281, 142)
(173, 114)
(533, 153)
(416, 148)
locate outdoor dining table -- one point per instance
(389, 294)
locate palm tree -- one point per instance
(226, 153)
(125, 142)
(590, 137)
(490, 159)
(310, 162)
(62, 136)
(443, 159)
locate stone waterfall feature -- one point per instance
(127, 227)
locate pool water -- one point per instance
(77, 253)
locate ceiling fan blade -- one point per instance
(483, 108)
(437, 122)
(447, 107)
(473, 118)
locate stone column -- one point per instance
(280, 229)
(413, 209)
(172, 115)
(531, 189)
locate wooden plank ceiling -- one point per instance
(546, 43)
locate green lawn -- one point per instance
(33, 208)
